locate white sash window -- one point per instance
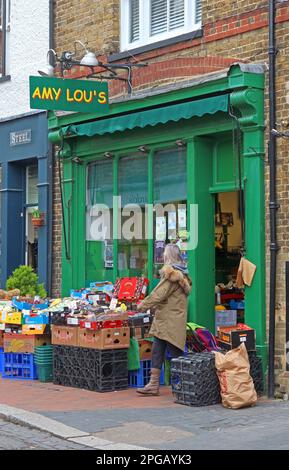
(147, 21)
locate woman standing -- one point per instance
(170, 299)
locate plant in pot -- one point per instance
(25, 280)
(37, 218)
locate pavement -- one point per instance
(124, 420)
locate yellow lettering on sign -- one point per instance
(36, 93)
(88, 99)
(68, 97)
(57, 93)
(47, 94)
(102, 97)
(78, 96)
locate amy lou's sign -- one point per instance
(84, 96)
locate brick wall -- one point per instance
(233, 30)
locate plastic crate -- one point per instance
(1, 360)
(36, 319)
(90, 369)
(194, 380)
(234, 305)
(19, 367)
(79, 294)
(140, 377)
(28, 306)
(45, 372)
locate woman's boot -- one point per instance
(152, 388)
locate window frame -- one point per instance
(145, 25)
(5, 14)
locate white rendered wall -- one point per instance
(27, 45)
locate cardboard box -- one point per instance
(23, 343)
(1, 339)
(108, 338)
(33, 329)
(140, 332)
(64, 335)
(232, 337)
(145, 350)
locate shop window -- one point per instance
(148, 21)
(5, 12)
(99, 200)
(133, 190)
(170, 202)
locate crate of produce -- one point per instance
(1, 360)
(140, 377)
(230, 337)
(29, 304)
(194, 380)
(79, 294)
(34, 329)
(98, 325)
(34, 319)
(13, 318)
(91, 369)
(59, 318)
(131, 288)
(104, 286)
(225, 318)
(109, 338)
(19, 366)
(19, 343)
(64, 335)
(140, 319)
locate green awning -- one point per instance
(150, 117)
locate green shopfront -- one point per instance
(175, 148)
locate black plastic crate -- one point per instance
(91, 369)
(194, 380)
(256, 371)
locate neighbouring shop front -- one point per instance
(24, 188)
(197, 151)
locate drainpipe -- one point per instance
(273, 206)
(50, 165)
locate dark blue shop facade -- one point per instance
(25, 185)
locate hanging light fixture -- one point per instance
(48, 70)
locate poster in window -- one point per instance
(108, 254)
(159, 252)
(172, 226)
(182, 221)
(161, 233)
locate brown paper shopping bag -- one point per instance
(237, 387)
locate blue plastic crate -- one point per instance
(74, 294)
(36, 320)
(140, 377)
(26, 306)
(1, 360)
(18, 366)
(235, 305)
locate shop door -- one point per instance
(31, 233)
